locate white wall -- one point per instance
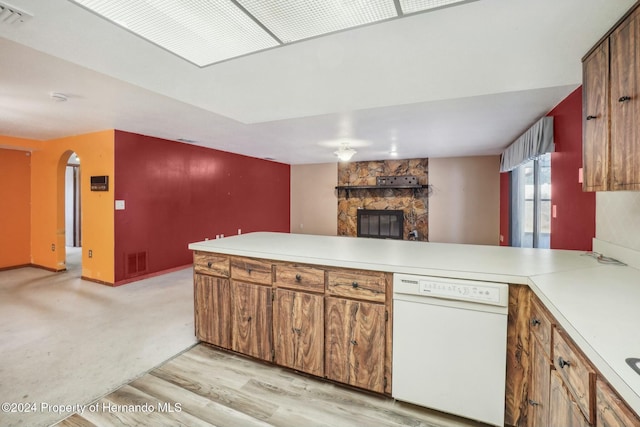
(618, 218)
(314, 203)
(465, 204)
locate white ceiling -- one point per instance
(464, 80)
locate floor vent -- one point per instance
(136, 263)
(10, 15)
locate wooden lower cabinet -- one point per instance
(611, 411)
(251, 319)
(355, 343)
(212, 307)
(564, 411)
(538, 412)
(298, 331)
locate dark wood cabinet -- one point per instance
(251, 322)
(298, 331)
(625, 104)
(564, 411)
(611, 109)
(355, 343)
(595, 105)
(611, 411)
(212, 308)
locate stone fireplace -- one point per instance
(413, 204)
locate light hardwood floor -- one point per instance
(208, 387)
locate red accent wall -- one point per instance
(178, 193)
(575, 224)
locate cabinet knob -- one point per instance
(248, 271)
(354, 342)
(535, 322)
(624, 98)
(209, 264)
(355, 284)
(296, 331)
(591, 117)
(533, 402)
(298, 277)
(249, 319)
(562, 363)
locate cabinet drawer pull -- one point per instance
(296, 331)
(355, 284)
(562, 363)
(624, 99)
(591, 117)
(298, 277)
(533, 402)
(535, 322)
(354, 342)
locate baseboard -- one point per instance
(101, 282)
(629, 256)
(150, 275)
(14, 267)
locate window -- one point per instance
(531, 203)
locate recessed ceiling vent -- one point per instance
(11, 15)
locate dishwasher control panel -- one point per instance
(476, 291)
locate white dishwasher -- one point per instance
(450, 345)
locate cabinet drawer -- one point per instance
(577, 373)
(540, 323)
(300, 277)
(611, 411)
(251, 270)
(211, 264)
(357, 284)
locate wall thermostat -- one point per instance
(100, 183)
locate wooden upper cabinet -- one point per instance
(611, 110)
(625, 104)
(298, 331)
(595, 106)
(355, 343)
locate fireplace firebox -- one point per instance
(380, 224)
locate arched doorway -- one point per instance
(70, 162)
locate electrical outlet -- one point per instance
(53, 247)
(90, 253)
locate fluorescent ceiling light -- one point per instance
(412, 6)
(208, 31)
(292, 20)
(200, 31)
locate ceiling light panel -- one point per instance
(200, 31)
(292, 20)
(412, 6)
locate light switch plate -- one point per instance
(119, 205)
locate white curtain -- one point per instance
(534, 142)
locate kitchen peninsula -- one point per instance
(331, 278)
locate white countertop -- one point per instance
(598, 305)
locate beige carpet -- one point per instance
(65, 341)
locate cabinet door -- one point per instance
(355, 343)
(298, 331)
(212, 307)
(563, 411)
(625, 105)
(539, 386)
(611, 411)
(595, 112)
(251, 332)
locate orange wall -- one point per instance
(15, 197)
(48, 162)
